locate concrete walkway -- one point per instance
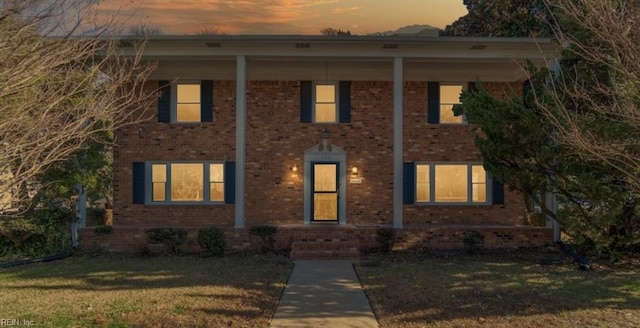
(324, 294)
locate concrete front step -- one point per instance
(324, 245)
(349, 254)
(324, 249)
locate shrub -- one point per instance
(44, 232)
(170, 237)
(211, 240)
(473, 241)
(385, 237)
(267, 236)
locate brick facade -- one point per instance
(277, 140)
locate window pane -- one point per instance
(325, 113)
(446, 115)
(423, 194)
(478, 174)
(158, 173)
(188, 113)
(325, 206)
(451, 183)
(216, 172)
(159, 192)
(216, 191)
(325, 93)
(324, 176)
(450, 94)
(158, 179)
(187, 182)
(479, 192)
(188, 93)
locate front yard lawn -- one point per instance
(500, 290)
(145, 292)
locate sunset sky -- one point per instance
(281, 16)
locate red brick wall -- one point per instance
(153, 141)
(276, 141)
(451, 143)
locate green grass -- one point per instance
(499, 291)
(145, 292)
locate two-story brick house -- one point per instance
(328, 138)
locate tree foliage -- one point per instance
(59, 92)
(575, 132)
(501, 18)
(330, 31)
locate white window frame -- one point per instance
(432, 185)
(174, 101)
(336, 97)
(464, 86)
(205, 183)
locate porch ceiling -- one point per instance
(354, 58)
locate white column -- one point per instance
(397, 142)
(241, 138)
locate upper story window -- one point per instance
(325, 105)
(441, 99)
(450, 96)
(325, 102)
(187, 102)
(451, 184)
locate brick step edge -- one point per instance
(322, 245)
(323, 254)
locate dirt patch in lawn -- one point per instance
(145, 292)
(506, 289)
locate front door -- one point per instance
(325, 192)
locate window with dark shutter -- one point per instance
(344, 107)
(164, 102)
(306, 106)
(138, 182)
(206, 101)
(230, 182)
(408, 177)
(433, 102)
(497, 192)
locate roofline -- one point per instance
(336, 39)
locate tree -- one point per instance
(330, 31)
(575, 132)
(594, 102)
(145, 30)
(58, 91)
(501, 18)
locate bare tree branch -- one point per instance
(58, 90)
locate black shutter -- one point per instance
(497, 191)
(138, 182)
(409, 183)
(472, 87)
(305, 102)
(230, 182)
(206, 101)
(344, 107)
(164, 102)
(433, 103)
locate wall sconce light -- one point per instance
(354, 170)
(294, 169)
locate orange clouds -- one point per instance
(267, 16)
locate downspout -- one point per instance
(81, 215)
